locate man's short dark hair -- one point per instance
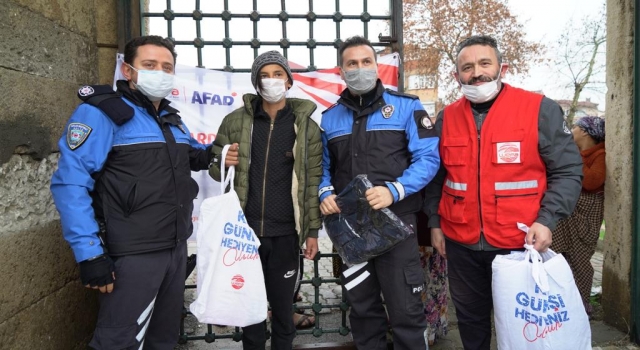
(483, 40)
(131, 48)
(355, 41)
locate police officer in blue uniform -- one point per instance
(389, 137)
(124, 192)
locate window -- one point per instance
(417, 82)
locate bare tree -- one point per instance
(581, 58)
(433, 28)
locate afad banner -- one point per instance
(204, 97)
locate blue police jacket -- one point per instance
(124, 175)
(384, 134)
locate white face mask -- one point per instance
(481, 93)
(155, 84)
(273, 90)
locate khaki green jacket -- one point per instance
(307, 152)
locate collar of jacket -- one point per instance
(298, 105)
(374, 98)
(256, 104)
(141, 100)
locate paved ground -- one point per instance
(603, 336)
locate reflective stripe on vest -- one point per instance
(456, 185)
(516, 185)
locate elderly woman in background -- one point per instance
(577, 236)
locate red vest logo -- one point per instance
(237, 281)
(508, 152)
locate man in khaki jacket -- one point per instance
(277, 151)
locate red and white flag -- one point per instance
(324, 86)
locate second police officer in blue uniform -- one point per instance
(389, 137)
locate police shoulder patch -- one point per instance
(426, 122)
(86, 91)
(77, 134)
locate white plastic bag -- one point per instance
(536, 303)
(231, 289)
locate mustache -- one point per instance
(482, 78)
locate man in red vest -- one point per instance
(507, 157)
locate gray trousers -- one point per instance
(145, 307)
(398, 275)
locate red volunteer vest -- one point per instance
(506, 184)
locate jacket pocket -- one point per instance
(454, 150)
(452, 208)
(511, 209)
(414, 277)
(129, 203)
(193, 188)
(340, 152)
(507, 147)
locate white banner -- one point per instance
(204, 97)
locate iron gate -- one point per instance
(307, 33)
(204, 31)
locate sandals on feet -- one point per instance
(304, 321)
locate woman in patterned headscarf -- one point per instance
(577, 236)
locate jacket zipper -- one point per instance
(264, 180)
(157, 116)
(480, 197)
(303, 225)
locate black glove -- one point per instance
(97, 272)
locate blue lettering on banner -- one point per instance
(212, 99)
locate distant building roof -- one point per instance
(581, 104)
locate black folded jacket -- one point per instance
(360, 233)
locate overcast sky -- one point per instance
(544, 21)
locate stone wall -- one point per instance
(49, 48)
(616, 292)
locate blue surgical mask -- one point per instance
(155, 84)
